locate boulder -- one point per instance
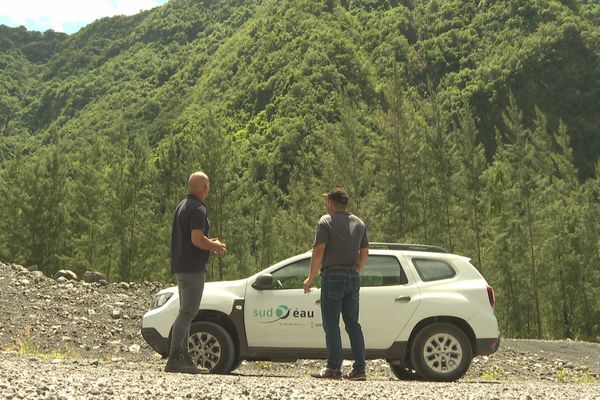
(67, 274)
(32, 268)
(38, 276)
(93, 276)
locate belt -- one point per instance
(348, 267)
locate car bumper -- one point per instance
(487, 346)
(156, 341)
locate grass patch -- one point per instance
(586, 377)
(494, 374)
(27, 348)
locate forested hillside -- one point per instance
(470, 125)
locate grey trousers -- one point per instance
(191, 286)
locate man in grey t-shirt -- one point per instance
(340, 250)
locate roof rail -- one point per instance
(406, 246)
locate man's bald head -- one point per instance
(199, 185)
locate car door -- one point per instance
(285, 316)
(388, 299)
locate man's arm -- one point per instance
(315, 263)
(204, 243)
(363, 255)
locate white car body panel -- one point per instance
(388, 314)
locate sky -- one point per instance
(66, 15)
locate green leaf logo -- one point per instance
(281, 310)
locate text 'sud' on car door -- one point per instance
(285, 316)
(388, 299)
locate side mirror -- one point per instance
(263, 282)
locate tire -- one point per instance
(236, 364)
(441, 352)
(211, 347)
(404, 373)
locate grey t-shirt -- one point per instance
(344, 235)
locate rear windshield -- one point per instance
(432, 269)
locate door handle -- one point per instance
(402, 299)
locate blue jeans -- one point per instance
(340, 294)
(190, 286)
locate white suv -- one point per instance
(424, 310)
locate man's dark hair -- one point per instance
(339, 197)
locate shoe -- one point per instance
(355, 375)
(188, 359)
(328, 373)
(177, 364)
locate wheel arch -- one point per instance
(224, 321)
(458, 322)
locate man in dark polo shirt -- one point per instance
(190, 249)
(341, 249)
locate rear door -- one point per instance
(388, 299)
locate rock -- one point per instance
(38, 276)
(61, 279)
(116, 313)
(102, 282)
(569, 365)
(124, 285)
(93, 277)
(32, 268)
(134, 348)
(67, 274)
(24, 282)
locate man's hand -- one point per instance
(218, 247)
(308, 283)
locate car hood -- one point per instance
(238, 288)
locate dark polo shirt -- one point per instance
(185, 257)
(344, 235)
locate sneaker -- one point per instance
(355, 375)
(328, 373)
(177, 364)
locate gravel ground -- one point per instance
(65, 340)
(24, 377)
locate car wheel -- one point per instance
(404, 373)
(441, 352)
(236, 364)
(211, 347)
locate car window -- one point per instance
(382, 271)
(433, 270)
(292, 275)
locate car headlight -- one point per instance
(160, 299)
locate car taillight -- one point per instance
(491, 296)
